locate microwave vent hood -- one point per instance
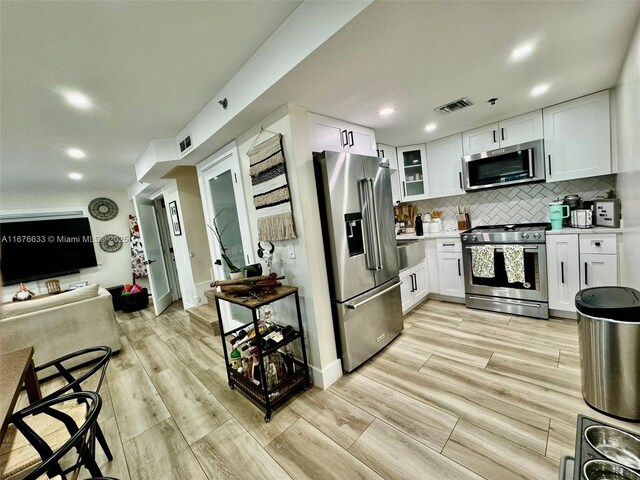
(454, 106)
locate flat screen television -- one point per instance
(31, 250)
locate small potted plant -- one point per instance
(235, 272)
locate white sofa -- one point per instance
(59, 324)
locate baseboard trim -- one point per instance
(325, 378)
(563, 314)
(445, 298)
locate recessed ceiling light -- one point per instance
(75, 176)
(78, 100)
(385, 112)
(540, 89)
(522, 51)
(76, 153)
(430, 127)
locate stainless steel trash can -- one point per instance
(609, 337)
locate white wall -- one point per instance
(113, 268)
(191, 249)
(628, 154)
(307, 271)
(181, 250)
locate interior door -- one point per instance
(152, 246)
(224, 201)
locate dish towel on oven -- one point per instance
(271, 196)
(514, 263)
(482, 261)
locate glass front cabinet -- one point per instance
(412, 165)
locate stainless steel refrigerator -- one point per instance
(356, 209)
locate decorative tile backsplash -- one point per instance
(521, 204)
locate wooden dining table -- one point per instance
(16, 369)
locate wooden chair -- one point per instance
(100, 355)
(41, 436)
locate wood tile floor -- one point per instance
(461, 394)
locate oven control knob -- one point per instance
(525, 236)
(465, 238)
(474, 238)
(536, 235)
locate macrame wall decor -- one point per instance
(271, 196)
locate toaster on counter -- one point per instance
(606, 213)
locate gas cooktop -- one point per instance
(510, 233)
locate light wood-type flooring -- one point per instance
(460, 394)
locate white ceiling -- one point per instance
(151, 66)
(416, 56)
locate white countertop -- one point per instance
(429, 236)
(585, 231)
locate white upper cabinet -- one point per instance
(577, 138)
(521, 129)
(444, 166)
(512, 131)
(328, 133)
(389, 152)
(480, 139)
(412, 167)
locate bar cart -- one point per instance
(266, 394)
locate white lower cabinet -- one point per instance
(451, 274)
(598, 270)
(571, 266)
(415, 286)
(563, 269)
(450, 268)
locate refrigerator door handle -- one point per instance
(353, 306)
(376, 227)
(367, 205)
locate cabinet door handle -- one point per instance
(378, 153)
(549, 157)
(448, 244)
(404, 190)
(382, 153)
(459, 270)
(494, 137)
(586, 281)
(460, 179)
(502, 133)
(351, 142)
(562, 272)
(343, 138)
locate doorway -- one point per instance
(167, 248)
(223, 200)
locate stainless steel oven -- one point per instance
(512, 165)
(528, 298)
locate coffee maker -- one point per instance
(574, 202)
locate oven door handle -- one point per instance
(499, 248)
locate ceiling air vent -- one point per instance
(453, 106)
(185, 144)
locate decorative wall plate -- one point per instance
(110, 243)
(102, 208)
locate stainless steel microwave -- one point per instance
(503, 167)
